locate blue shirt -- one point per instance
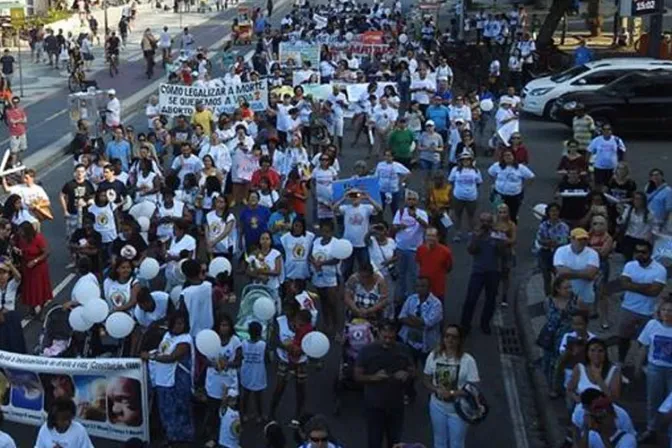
(260, 25)
(119, 150)
(431, 313)
(277, 217)
(254, 223)
(439, 115)
(660, 203)
(582, 55)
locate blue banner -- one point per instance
(368, 184)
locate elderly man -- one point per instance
(580, 264)
(409, 223)
(485, 273)
(435, 261)
(113, 110)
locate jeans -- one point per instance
(407, 268)
(478, 281)
(384, 422)
(658, 387)
(449, 430)
(362, 256)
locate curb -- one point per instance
(555, 436)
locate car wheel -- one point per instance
(547, 110)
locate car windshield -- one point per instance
(622, 84)
(569, 73)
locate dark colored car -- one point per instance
(638, 102)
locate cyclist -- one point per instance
(77, 64)
(112, 51)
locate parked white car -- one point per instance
(539, 94)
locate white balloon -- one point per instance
(487, 105)
(175, 294)
(96, 310)
(119, 325)
(342, 249)
(84, 290)
(208, 343)
(143, 222)
(77, 321)
(149, 268)
(315, 344)
(263, 309)
(403, 38)
(349, 36)
(144, 208)
(539, 211)
(219, 265)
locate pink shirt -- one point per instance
(13, 114)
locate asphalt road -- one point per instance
(544, 140)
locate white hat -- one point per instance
(111, 92)
(505, 100)
(429, 123)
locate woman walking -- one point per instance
(36, 285)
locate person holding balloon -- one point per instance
(265, 266)
(170, 370)
(221, 374)
(121, 288)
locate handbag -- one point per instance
(546, 337)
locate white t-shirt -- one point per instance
(152, 113)
(215, 228)
(356, 222)
(422, 97)
(327, 275)
(450, 374)
(379, 254)
(185, 165)
(29, 194)
(653, 273)
(565, 256)
(187, 242)
(658, 338)
(412, 235)
(75, 437)
(216, 382)
(6, 441)
(268, 262)
(198, 301)
(388, 176)
(509, 180)
(606, 151)
(465, 183)
(324, 181)
(144, 318)
(297, 250)
(104, 222)
(229, 427)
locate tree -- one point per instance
(555, 14)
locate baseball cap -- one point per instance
(429, 123)
(111, 92)
(579, 234)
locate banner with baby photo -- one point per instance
(110, 393)
(300, 51)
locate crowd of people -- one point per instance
(261, 189)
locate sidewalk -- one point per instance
(46, 91)
(532, 315)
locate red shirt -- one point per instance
(296, 204)
(15, 114)
(271, 175)
(435, 263)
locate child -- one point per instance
(223, 291)
(253, 370)
(267, 197)
(302, 326)
(229, 423)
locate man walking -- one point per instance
(16, 122)
(8, 61)
(485, 273)
(435, 261)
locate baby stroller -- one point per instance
(55, 339)
(356, 334)
(250, 294)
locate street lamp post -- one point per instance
(107, 29)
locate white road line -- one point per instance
(511, 390)
(57, 290)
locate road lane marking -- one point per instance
(57, 290)
(509, 378)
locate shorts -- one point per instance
(299, 370)
(469, 206)
(630, 324)
(18, 143)
(337, 128)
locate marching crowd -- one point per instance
(238, 223)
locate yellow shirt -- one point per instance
(439, 198)
(204, 119)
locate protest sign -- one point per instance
(177, 99)
(367, 184)
(317, 91)
(506, 131)
(110, 393)
(300, 51)
(305, 76)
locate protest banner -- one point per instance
(305, 76)
(300, 51)
(175, 100)
(367, 184)
(317, 91)
(110, 393)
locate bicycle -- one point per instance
(113, 63)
